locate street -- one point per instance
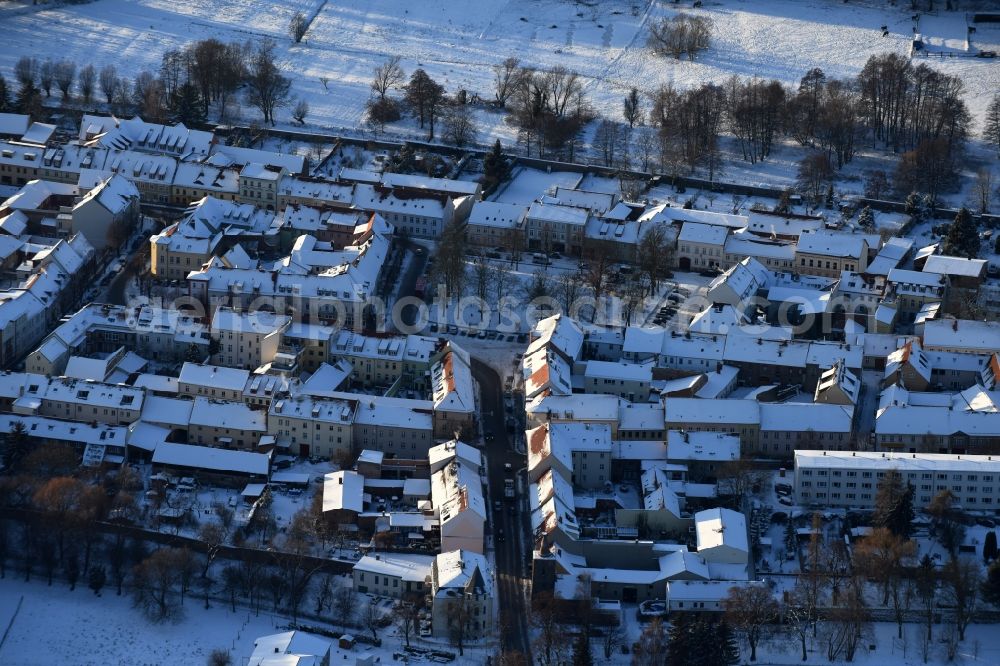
(513, 551)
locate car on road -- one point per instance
(508, 488)
(507, 468)
(496, 505)
(500, 536)
(489, 436)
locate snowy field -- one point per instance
(56, 626)
(457, 42)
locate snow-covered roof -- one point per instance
(709, 234)
(451, 381)
(238, 156)
(137, 134)
(314, 409)
(618, 370)
(680, 411)
(497, 214)
(405, 566)
(832, 243)
(14, 124)
(344, 490)
(442, 185)
(595, 202)
(947, 265)
(721, 527)
(903, 462)
(214, 376)
(460, 569)
(296, 644)
(38, 133)
(74, 432)
(964, 334)
(94, 393)
(212, 459)
(212, 413)
(702, 446)
(806, 417)
(593, 406)
(557, 214)
(442, 454)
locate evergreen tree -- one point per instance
(186, 105)
(729, 650)
(963, 238)
(791, 538)
(680, 650)
(866, 218)
(15, 446)
(696, 640)
(495, 164)
(990, 551)
(29, 100)
(5, 106)
(894, 505)
(991, 124)
(991, 586)
(96, 579)
(914, 207)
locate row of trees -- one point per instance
(204, 74)
(424, 98)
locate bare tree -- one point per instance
(545, 620)
(300, 111)
(610, 139)
(946, 526)
(506, 78)
(64, 71)
(458, 615)
(86, 82)
(46, 76)
(796, 616)
(108, 81)
(459, 125)
(154, 584)
(748, 610)
(388, 75)
(613, 638)
(881, 557)
(407, 619)
(651, 649)
(815, 174)
(962, 578)
(344, 600)
(373, 619)
(26, 71)
(219, 657)
(984, 189)
(681, 34)
(297, 27)
(267, 88)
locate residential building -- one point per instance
(463, 577)
(827, 253)
(834, 479)
(246, 339)
(107, 214)
(394, 575)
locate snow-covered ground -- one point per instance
(457, 43)
(56, 626)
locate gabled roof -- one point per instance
(344, 490)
